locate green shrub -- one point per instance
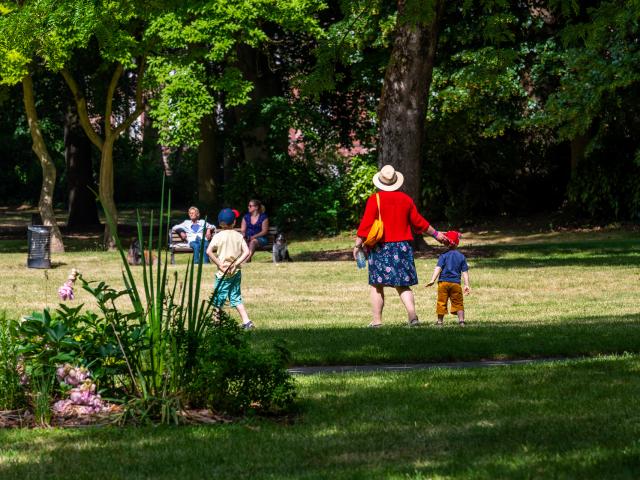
(231, 377)
(68, 335)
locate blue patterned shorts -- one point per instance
(228, 288)
(391, 264)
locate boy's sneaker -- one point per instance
(249, 325)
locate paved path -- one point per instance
(415, 366)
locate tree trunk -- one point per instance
(83, 210)
(45, 205)
(106, 190)
(255, 67)
(578, 148)
(151, 147)
(111, 133)
(207, 163)
(405, 92)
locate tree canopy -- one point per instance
(528, 106)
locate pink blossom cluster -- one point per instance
(72, 376)
(83, 398)
(65, 292)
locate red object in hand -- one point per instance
(453, 236)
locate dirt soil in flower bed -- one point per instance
(25, 419)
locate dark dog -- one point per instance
(134, 255)
(280, 250)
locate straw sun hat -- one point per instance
(388, 179)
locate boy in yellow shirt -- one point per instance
(228, 251)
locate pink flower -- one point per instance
(388, 269)
(65, 292)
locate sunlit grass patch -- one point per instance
(544, 298)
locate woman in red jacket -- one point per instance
(391, 260)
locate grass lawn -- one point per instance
(534, 295)
(576, 419)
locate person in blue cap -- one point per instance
(228, 250)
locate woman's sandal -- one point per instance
(374, 325)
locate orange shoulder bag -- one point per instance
(377, 229)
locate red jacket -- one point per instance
(399, 216)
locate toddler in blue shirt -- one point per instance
(451, 268)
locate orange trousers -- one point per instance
(449, 291)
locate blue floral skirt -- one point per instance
(391, 264)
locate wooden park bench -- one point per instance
(176, 245)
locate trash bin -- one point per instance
(39, 238)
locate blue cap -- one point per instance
(226, 216)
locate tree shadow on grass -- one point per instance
(584, 336)
(587, 254)
(347, 254)
(520, 422)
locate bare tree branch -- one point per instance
(110, 92)
(139, 100)
(81, 105)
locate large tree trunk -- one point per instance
(405, 92)
(45, 205)
(208, 163)
(83, 210)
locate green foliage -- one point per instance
(598, 59)
(197, 67)
(11, 392)
(42, 386)
(46, 31)
(606, 191)
(181, 103)
(232, 377)
(359, 185)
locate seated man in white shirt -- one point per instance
(191, 231)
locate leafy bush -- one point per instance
(85, 339)
(230, 376)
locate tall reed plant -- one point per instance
(11, 391)
(170, 313)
